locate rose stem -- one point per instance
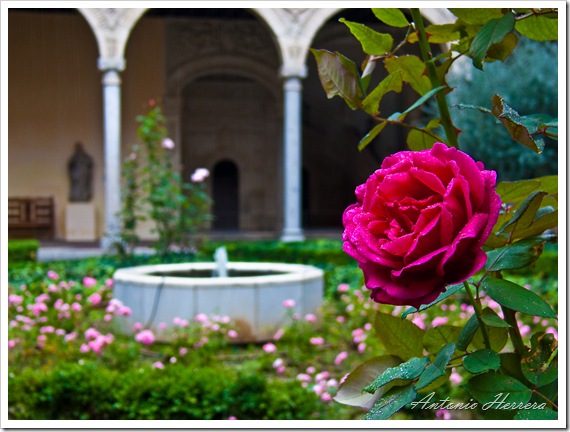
(478, 313)
(445, 117)
(514, 331)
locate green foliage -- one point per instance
(153, 189)
(88, 391)
(20, 251)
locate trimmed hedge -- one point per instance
(90, 391)
(22, 250)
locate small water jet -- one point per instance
(250, 293)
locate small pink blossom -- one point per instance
(52, 275)
(311, 318)
(38, 308)
(88, 282)
(42, 298)
(158, 365)
(167, 144)
(12, 343)
(70, 336)
(326, 397)
(109, 283)
(322, 376)
(60, 332)
(108, 318)
(76, 307)
(361, 347)
(317, 341)
(52, 288)
(340, 357)
(84, 348)
(183, 351)
(455, 378)
(15, 300)
(172, 360)
(278, 362)
(47, 329)
(278, 334)
(91, 333)
(269, 347)
(342, 288)
(162, 326)
(303, 377)
(199, 175)
(146, 337)
(232, 333)
(94, 299)
(289, 303)
(311, 370)
(232, 418)
(443, 414)
(340, 319)
(437, 321)
(137, 326)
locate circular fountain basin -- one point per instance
(252, 295)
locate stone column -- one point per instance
(112, 155)
(292, 160)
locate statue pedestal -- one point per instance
(80, 222)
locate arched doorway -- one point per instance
(225, 190)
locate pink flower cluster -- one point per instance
(95, 341)
(321, 383)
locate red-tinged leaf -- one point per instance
(413, 72)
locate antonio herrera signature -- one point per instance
(501, 402)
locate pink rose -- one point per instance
(88, 281)
(146, 337)
(420, 222)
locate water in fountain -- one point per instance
(221, 259)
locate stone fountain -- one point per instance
(250, 293)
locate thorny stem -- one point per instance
(548, 401)
(442, 106)
(478, 313)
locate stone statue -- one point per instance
(80, 168)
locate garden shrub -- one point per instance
(22, 250)
(91, 391)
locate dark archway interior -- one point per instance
(226, 195)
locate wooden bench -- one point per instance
(31, 217)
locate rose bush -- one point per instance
(420, 222)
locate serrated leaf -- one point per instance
(350, 391)
(409, 370)
(437, 368)
(412, 69)
(515, 256)
(540, 365)
(450, 290)
(442, 33)
(515, 125)
(538, 27)
(373, 43)
(392, 82)
(439, 336)
(525, 213)
(467, 333)
(389, 405)
(369, 137)
(536, 414)
(391, 16)
(493, 32)
(339, 77)
(421, 101)
(400, 337)
(545, 221)
(482, 361)
(476, 15)
(490, 318)
(486, 387)
(516, 297)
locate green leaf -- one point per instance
(371, 135)
(547, 219)
(400, 337)
(515, 125)
(421, 101)
(538, 27)
(482, 361)
(498, 337)
(389, 405)
(409, 370)
(350, 391)
(491, 388)
(439, 336)
(476, 16)
(450, 290)
(515, 256)
(490, 318)
(442, 33)
(493, 32)
(467, 333)
(511, 365)
(339, 77)
(437, 368)
(391, 16)
(500, 51)
(524, 215)
(392, 82)
(373, 43)
(540, 365)
(412, 69)
(421, 140)
(463, 106)
(516, 297)
(536, 414)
